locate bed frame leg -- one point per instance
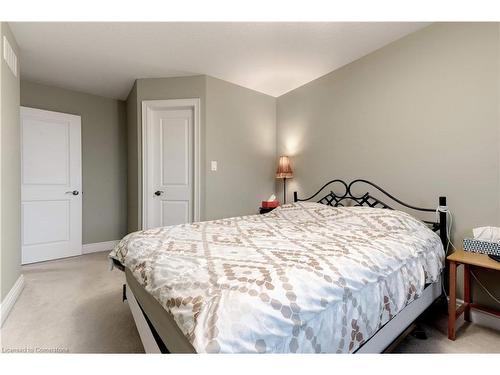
(124, 293)
(419, 332)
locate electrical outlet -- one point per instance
(213, 165)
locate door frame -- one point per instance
(147, 107)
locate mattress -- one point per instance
(305, 277)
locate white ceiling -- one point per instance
(105, 58)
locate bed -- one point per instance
(341, 274)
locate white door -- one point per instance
(169, 163)
(51, 207)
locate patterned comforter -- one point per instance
(303, 278)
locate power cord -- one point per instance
(449, 222)
(484, 288)
(448, 229)
(446, 250)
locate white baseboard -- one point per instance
(482, 318)
(11, 298)
(98, 246)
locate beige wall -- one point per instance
(241, 136)
(419, 117)
(132, 161)
(237, 129)
(104, 155)
(10, 190)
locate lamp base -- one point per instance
(284, 191)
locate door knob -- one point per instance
(158, 192)
(74, 192)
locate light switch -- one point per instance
(214, 165)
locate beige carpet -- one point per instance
(75, 305)
(471, 338)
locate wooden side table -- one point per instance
(468, 260)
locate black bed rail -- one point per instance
(367, 199)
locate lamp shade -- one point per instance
(284, 168)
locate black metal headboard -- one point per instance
(366, 199)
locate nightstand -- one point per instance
(468, 260)
(263, 210)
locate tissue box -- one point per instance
(270, 204)
(483, 247)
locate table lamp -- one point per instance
(284, 171)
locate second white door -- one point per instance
(169, 163)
